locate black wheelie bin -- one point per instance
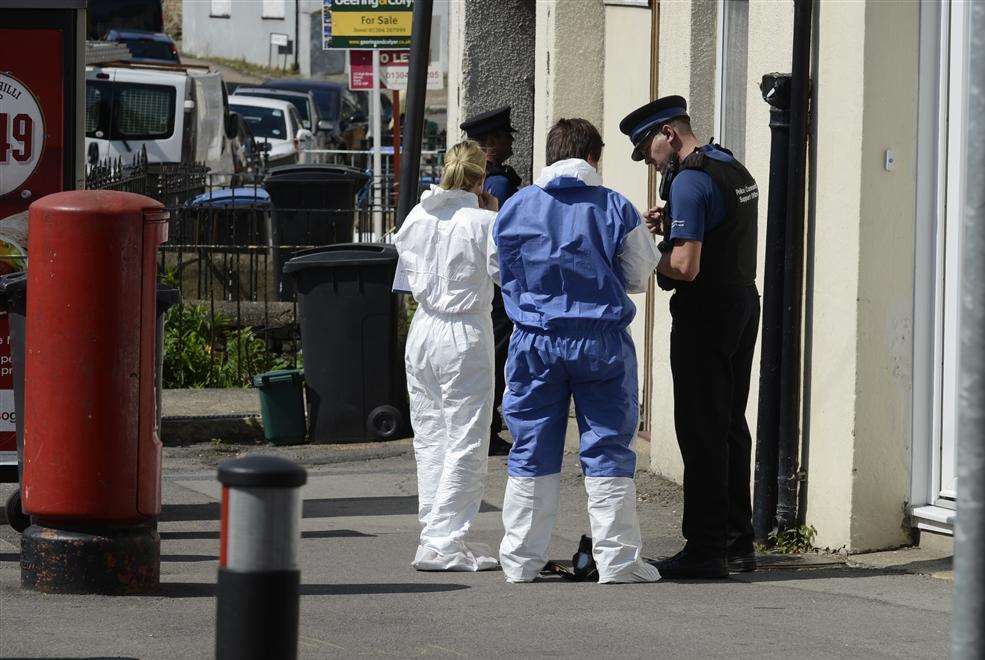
(353, 364)
(313, 206)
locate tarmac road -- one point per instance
(361, 598)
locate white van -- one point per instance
(178, 114)
(275, 122)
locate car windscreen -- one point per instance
(299, 102)
(150, 49)
(263, 122)
(129, 111)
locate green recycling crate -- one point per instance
(282, 405)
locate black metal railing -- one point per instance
(226, 252)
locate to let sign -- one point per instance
(371, 24)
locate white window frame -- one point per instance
(273, 9)
(732, 137)
(220, 8)
(940, 151)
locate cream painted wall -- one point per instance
(841, 66)
(674, 77)
(627, 86)
(456, 73)
(884, 384)
(569, 66)
(861, 391)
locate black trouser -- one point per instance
(502, 329)
(711, 349)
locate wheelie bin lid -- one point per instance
(167, 297)
(243, 197)
(315, 172)
(343, 254)
(279, 376)
(12, 286)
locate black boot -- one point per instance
(689, 565)
(741, 557)
(583, 562)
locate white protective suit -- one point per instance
(448, 263)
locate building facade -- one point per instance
(882, 282)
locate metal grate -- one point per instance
(144, 111)
(94, 98)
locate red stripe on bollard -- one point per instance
(224, 527)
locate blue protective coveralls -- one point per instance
(570, 250)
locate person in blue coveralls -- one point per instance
(709, 261)
(570, 250)
(494, 133)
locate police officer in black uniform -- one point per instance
(492, 130)
(709, 261)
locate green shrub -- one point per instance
(796, 540)
(202, 349)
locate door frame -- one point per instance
(937, 281)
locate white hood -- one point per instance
(437, 197)
(572, 168)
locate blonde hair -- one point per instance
(465, 166)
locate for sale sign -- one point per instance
(370, 24)
(21, 134)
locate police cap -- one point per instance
(487, 122)
(643, 122)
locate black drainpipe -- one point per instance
(793, 271)
(776, 91)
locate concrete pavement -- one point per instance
(361, 598)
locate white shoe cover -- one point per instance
(472, 557)
(529, 511)
(616, 540)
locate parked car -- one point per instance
(304, 103)
(276, 123)
(103, 15)
(340, 110)
(152, 47)
(176, 114)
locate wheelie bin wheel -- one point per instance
(16, 517)
(385, 422)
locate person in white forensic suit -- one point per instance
(447, 261)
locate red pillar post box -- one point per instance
(92, 458)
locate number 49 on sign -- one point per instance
(20, 130)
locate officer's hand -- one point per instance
(656, 221)
(488, 202)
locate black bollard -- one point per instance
(257, 601)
